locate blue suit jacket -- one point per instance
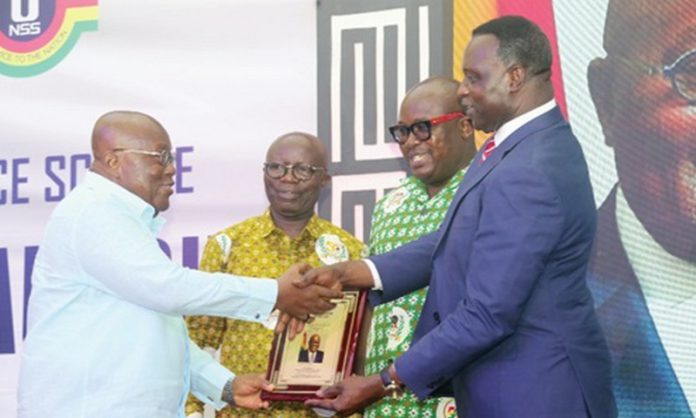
(509, 321)
(644, 382)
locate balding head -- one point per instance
(314, 147)
(125, 145)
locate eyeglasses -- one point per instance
(421, 130)
(681, 73)
(166, 157)
(300, 171)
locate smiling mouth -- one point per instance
(287, 195)
(416, 159)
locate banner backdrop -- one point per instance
(227, 77)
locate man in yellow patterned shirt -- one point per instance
(266, 246)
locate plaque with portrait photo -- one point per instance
(321, 355)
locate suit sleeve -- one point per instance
(405, 269)
(521, 222)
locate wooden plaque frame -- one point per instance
(294, 377)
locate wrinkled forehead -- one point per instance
(656, 30)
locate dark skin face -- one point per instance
(450, 146)
(142, 175)
(485, 89)
(651, 127)
(292, 199)
(314, 342)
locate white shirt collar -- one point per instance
(651, 263)
(509, 127)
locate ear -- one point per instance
(326, 180)
(110, 165)
(465, 128)
(517, 75)
(599, 80)
(111, 160)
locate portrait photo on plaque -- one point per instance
(321, 355)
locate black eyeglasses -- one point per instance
(300, 171)
(421, 130)
(681, 73)
(165, 157)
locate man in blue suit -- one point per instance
(508, 325)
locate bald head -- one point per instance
(315, 148)
(640, 25)
(122, 129)
(441, 90)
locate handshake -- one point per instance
(304, 292)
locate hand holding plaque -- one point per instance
(321, 355)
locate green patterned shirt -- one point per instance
(404, 215)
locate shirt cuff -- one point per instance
(208, 378)
(375, 274)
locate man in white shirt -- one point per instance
(643, 268)
(106, 336)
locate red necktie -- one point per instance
(488, 149)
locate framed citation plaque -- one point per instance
(320, 356)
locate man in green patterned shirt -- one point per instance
(289, 232)
(437, 141)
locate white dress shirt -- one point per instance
(106, 337)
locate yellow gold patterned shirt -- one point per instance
(257, 248)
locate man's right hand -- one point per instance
(352, 274)
(301, 302)
(355, 274)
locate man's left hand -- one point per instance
(246, 391)
(350, 395)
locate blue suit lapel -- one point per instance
(479, 170)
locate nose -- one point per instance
(289, 177)
(170, 169)
(463, 89)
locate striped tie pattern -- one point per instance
(488, 149)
